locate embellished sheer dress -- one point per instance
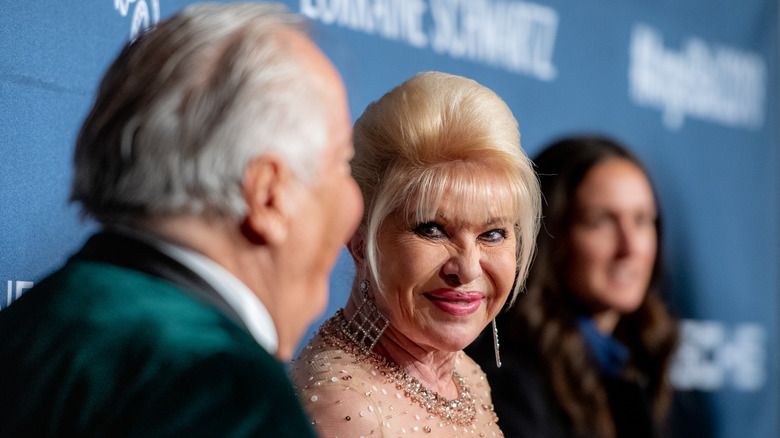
(348, 393)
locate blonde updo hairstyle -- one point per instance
(438, 133)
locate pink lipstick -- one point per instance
(454, 302)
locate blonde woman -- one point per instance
(451, 211)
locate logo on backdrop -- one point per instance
(703, 81)
(14, 290)
(142, 16)
(515, 36)
(714, 356)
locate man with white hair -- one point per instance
(216, 159)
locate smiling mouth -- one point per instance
(458, 302)
(456, 305)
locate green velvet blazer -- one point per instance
(124, 341)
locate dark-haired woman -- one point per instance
(586, 349)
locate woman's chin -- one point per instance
(454, 339)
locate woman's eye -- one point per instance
(430, 230)
(595, 220)
(497, 235)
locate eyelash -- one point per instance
(425, 229)
(501, 235)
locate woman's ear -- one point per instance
(357, 246)
(265, 190)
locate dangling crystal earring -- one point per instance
(367, 324)
(495, 343)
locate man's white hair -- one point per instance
(188, 105)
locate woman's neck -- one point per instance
(606, 321)
(431, 367)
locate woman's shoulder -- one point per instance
(327, 358)
(474, 375)
(343, 393)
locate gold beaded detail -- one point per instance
(461, 411)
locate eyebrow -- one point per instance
(496, 220)
(489, 222)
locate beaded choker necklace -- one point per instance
(460, 411)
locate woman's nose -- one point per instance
(629, 238)
(464, 264)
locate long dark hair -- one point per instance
(546, 317)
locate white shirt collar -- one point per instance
(239, 297)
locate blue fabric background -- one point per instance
(716, 167)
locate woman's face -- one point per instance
(612, 239)
(446, 279)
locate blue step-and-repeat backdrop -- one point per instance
(692, 86)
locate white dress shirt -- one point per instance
(238, 296)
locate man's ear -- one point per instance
(266, 182)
